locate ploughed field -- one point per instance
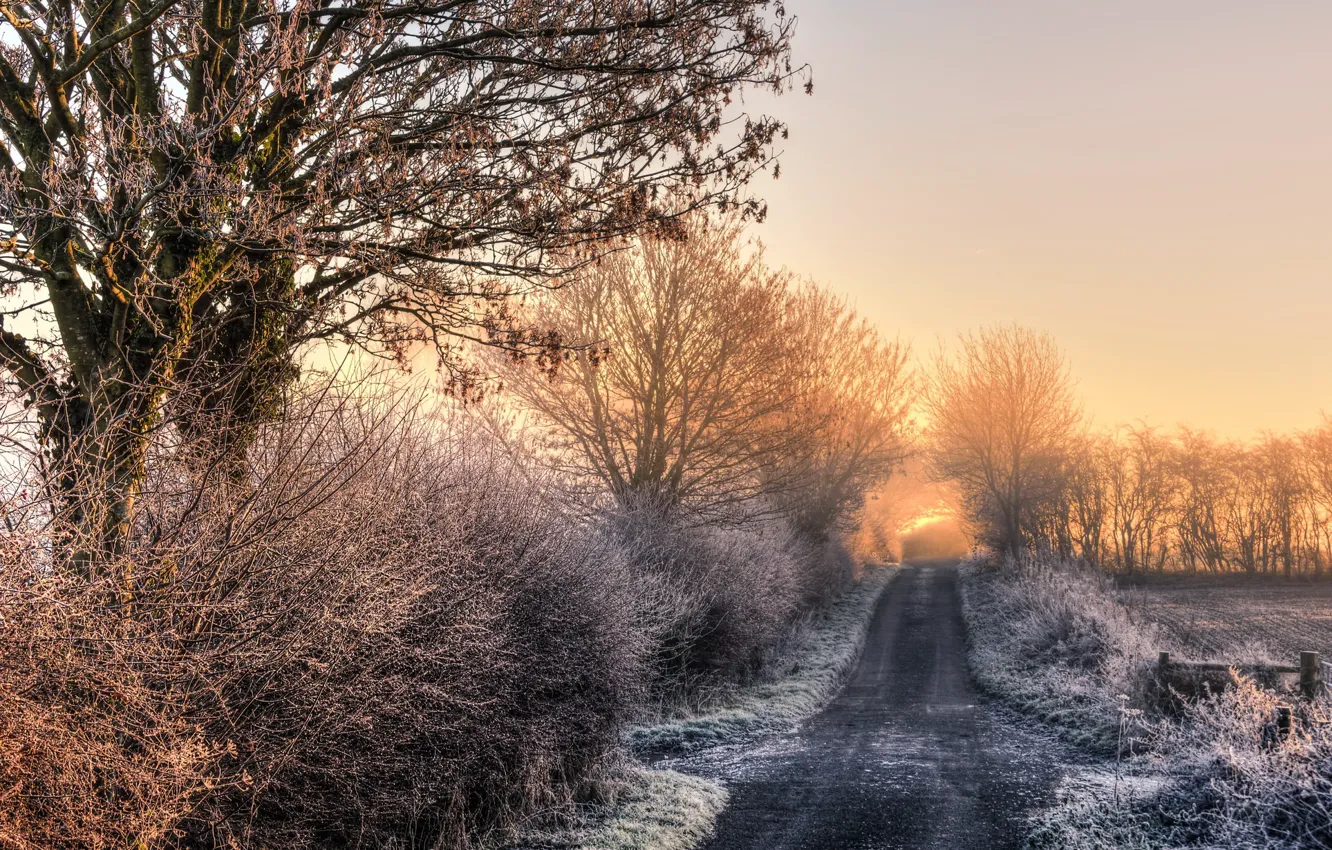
(1238, 621)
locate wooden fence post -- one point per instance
(1311, 675)
(1283, 722)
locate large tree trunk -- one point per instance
(232, 378)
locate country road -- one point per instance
(908, 755)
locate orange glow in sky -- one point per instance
(1150, 182)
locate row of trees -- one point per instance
(1141, 499)
(1007, 429)
(717, 389)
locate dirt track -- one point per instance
(908, 756)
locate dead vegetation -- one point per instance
(390, 630)
(1198, 763)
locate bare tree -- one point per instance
(1286, 493)
(856, 390)
(680, 395)
(1001, 416)
(1247, 513)
(1141, 497)
(191, 190)
(1317, 454)
(1074, 522)
(1204, 477)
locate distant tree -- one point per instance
(856, 392)
(1317, 454)
(1286, 486)
(1204, 479)
(1073, 521)
(1248, 516)
(683, 390)
(192, 190)
(1141, 491)
(1001, 417)
(1086, 489)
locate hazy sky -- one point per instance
(1149, 181)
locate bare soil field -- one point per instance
(1205, 619)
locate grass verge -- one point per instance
(798, 687)
(650, 810)
(1211, 767)
(1053, 642)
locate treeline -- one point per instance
(1141, 499)
(1033, 475)
(398, 624)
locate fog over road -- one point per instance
(908, 755)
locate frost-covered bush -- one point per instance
(714, 602)
(1051, 637)
(1240, 784)
(372, 632)
(806, 671)
(1220, 776)
(1211, 771)
(381, 635)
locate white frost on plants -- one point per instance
(810, 677)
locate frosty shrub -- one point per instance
(380, 635)
(1211, 769)
(1218, 776)
(713, 602)
(1240, 784)
(1051, 637)
(377, 632)
(800, 677)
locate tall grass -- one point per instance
(1209, 767)
(1051, 638)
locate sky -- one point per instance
(1150, 182)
